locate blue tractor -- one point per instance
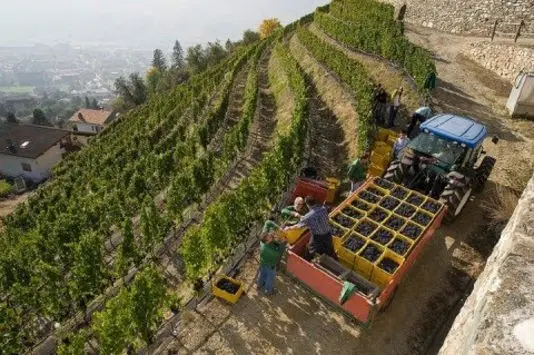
(441, 161)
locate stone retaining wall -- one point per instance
(498, 316)
(474, 17)
(506, 60)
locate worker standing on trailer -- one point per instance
(272, 247)
(321, 234)
(421, 114)
(358, 172)
(292, 214)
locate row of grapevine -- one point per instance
(351, 72)
(369, 26)
(52, 263)
(231, 216)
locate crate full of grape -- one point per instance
(227, 288)
(385, 268)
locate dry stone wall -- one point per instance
(474, 17)
(498, 316)
(505, 60)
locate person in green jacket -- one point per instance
(271, 249)
(358, 172)
(292, 214)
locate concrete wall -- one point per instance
(469, 16)
(41, 168)
(88, 128)
(498, 317)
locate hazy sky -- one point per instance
(139, 23)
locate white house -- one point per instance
(30, 151)
(91, 121)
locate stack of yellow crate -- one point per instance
(377, 228)
(382, 151)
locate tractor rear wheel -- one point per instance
(455, 197)
(483, 172)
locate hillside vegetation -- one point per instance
(103, 220)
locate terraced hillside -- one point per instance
(118, 250)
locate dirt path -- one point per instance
(336, 96)
(285, 100)
(379, 70)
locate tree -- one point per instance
(139, 89)
(214, 53)
(229, 45)
(39, 118)
(130, 93)
(195, 58)
(178, 60)
(11, 118)
(159, 60)
(250, 37)
(268, 26)
(94, 104)
(87, 102)
(153, 76)
(127, 250)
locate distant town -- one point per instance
(61, 78)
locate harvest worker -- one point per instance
(421, 114)
(400, 143)
(380, 104)
(357, 172)
(292, 214)
(271, 248)
(395, 105)
(321, 233)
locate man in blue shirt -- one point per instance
(317, 222)
(400, 143)
(421, 115)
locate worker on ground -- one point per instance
(420, 115)
(380, 104)
(395, 105)
(292, 214)
(400, 143)
(357, 172)
(321, 234)
(272, 247)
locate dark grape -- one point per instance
(415, 199)
(378, 215)
(369, 197)
(371, 253)
(421, 218)
(351, 212)
(385, 184)
(337, 231)
(411, 231)
(405, 210)
(389, 203)
(389, 265)
(394, 223)
(382, 236)
(354, 243)
(399, 246)
(365, 228)
(361, 205)
(375, 191)
(343, 220)
(431, 207)
(228, 286)
(399, 193)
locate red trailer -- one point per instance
(408, 215)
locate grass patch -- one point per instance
(5, 188)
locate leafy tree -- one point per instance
(11, 118)
(250, 37)
(153, 76)
(178, 60)
(148, 295)
(268, 26)
(214, 53)
(159, 60)
(94, 104)
(130, 93)
(139, 89)
(39, 118)
(229, 45)
(87, 102)
(196, 59)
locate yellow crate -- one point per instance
(374, 170)
(392, 133)
(411, 192)
(383, 210)
(337, 240)
(348, 255)
(413, 225)
(391, 140)
(360, 201)
(333, 185)
(392, 232)
(378, 159)
(399, 236)
(293, 235)
(380, 276)
(364, 266)
(382, 134)
(381, 146)
(222, 294)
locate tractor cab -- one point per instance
(442, 158)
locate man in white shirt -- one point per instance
(421, 114)
(400, 144)
(395, 105)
